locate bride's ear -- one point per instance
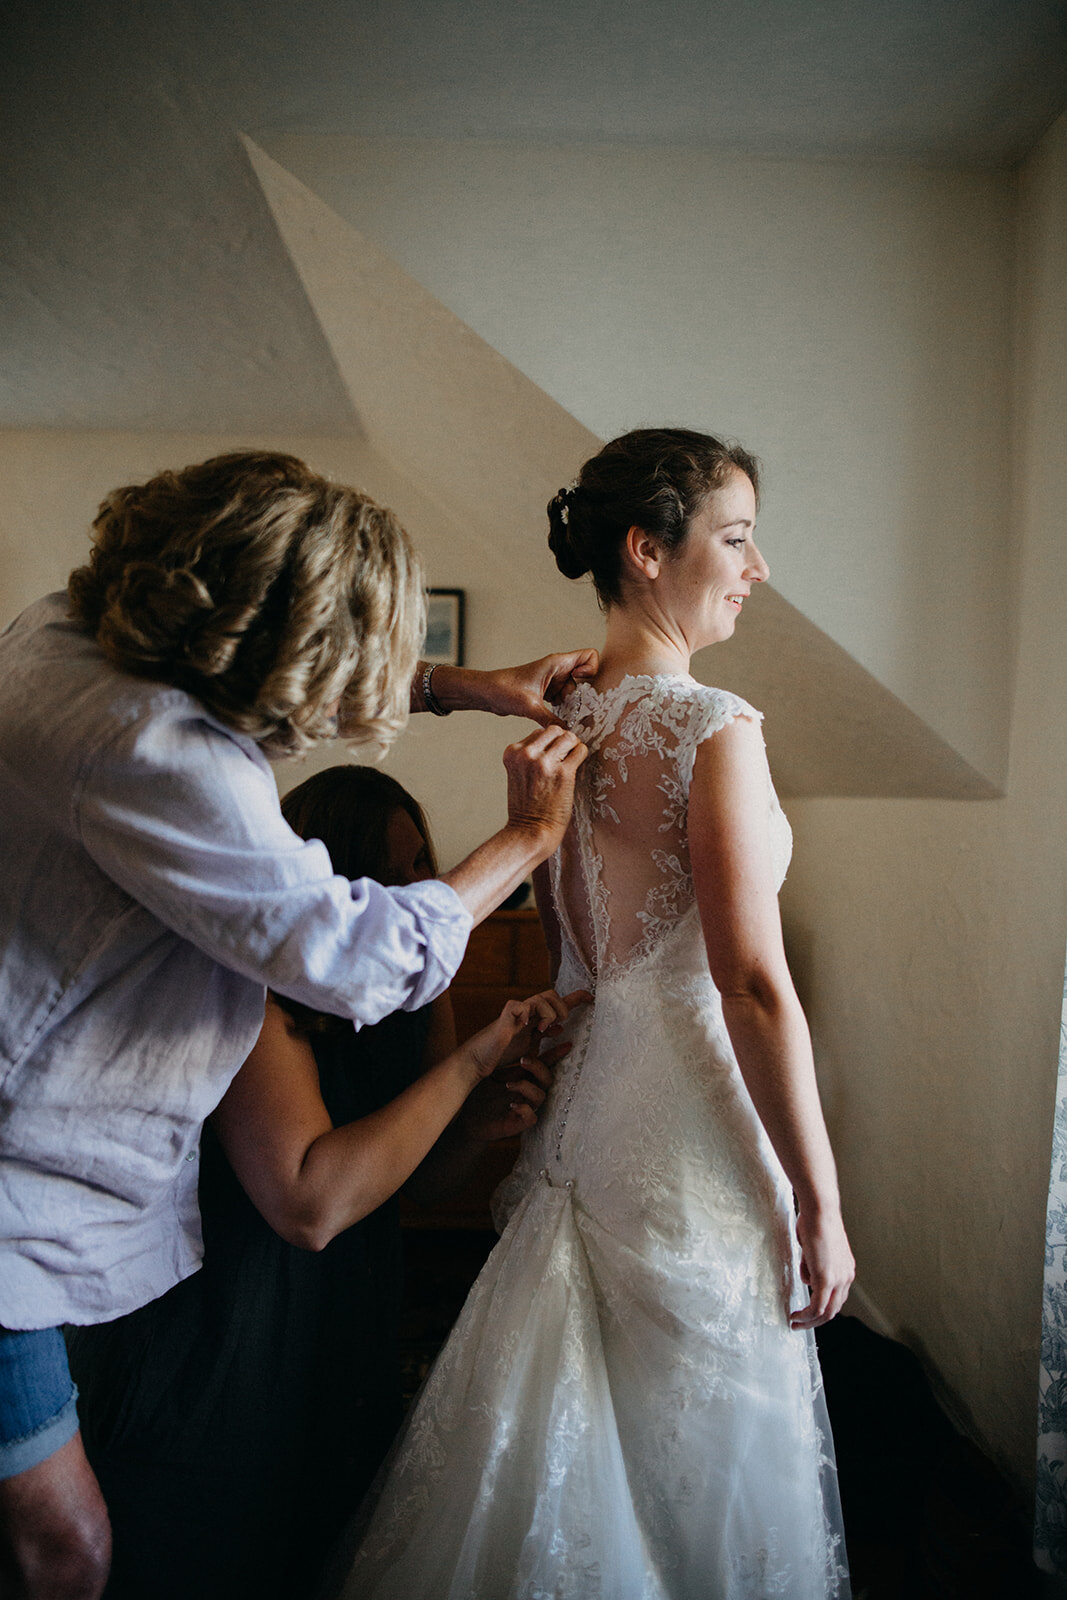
(641, 553)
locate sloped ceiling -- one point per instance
(144, 284)
(141, 285)
(141, 281)
(479, 438)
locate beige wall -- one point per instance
(930, 939)
(849, 322)
(928, 936)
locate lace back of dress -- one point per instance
(622, 873)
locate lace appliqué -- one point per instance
(644, 732)
(759, 1574)
(666, 900)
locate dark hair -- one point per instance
(264, 590)
(657, 479)
(348, 808)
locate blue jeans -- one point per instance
(38, 1399)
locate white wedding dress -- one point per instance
(622, 1410)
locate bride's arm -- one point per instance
(729, 844)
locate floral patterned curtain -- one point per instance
(1050, 1529)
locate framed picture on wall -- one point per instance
(444, 627)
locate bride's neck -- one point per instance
(639, 642)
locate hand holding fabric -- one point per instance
(508, 1102)
(530, 690)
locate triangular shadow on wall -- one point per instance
(477, 437)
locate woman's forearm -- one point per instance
(541, 770)
(453, 688)
(530, 690)
(770, 1037)
(492, 870)
(349, 1171)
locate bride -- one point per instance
(630, 1406)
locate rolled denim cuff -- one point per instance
(19, 1455)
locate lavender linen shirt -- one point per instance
(150, 890)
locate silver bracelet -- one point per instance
(429, 699)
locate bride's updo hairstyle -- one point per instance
(264, 590)
(657, 479)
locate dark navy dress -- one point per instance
(236, 1422)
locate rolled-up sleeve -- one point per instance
(184, 817)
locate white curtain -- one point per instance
(1050, 1528)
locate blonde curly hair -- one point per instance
(291, 607)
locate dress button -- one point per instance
(569, 1184)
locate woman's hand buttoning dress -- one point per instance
(630, 1405)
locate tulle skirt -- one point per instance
(598, 1426)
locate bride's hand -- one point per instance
(827, 1266)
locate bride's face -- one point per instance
(705, 583)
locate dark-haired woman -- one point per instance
(630, 1404)
(151, 890)
(233, 1422)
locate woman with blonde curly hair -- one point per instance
(241, 609)
(271, 594)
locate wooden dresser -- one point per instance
(506, 960)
